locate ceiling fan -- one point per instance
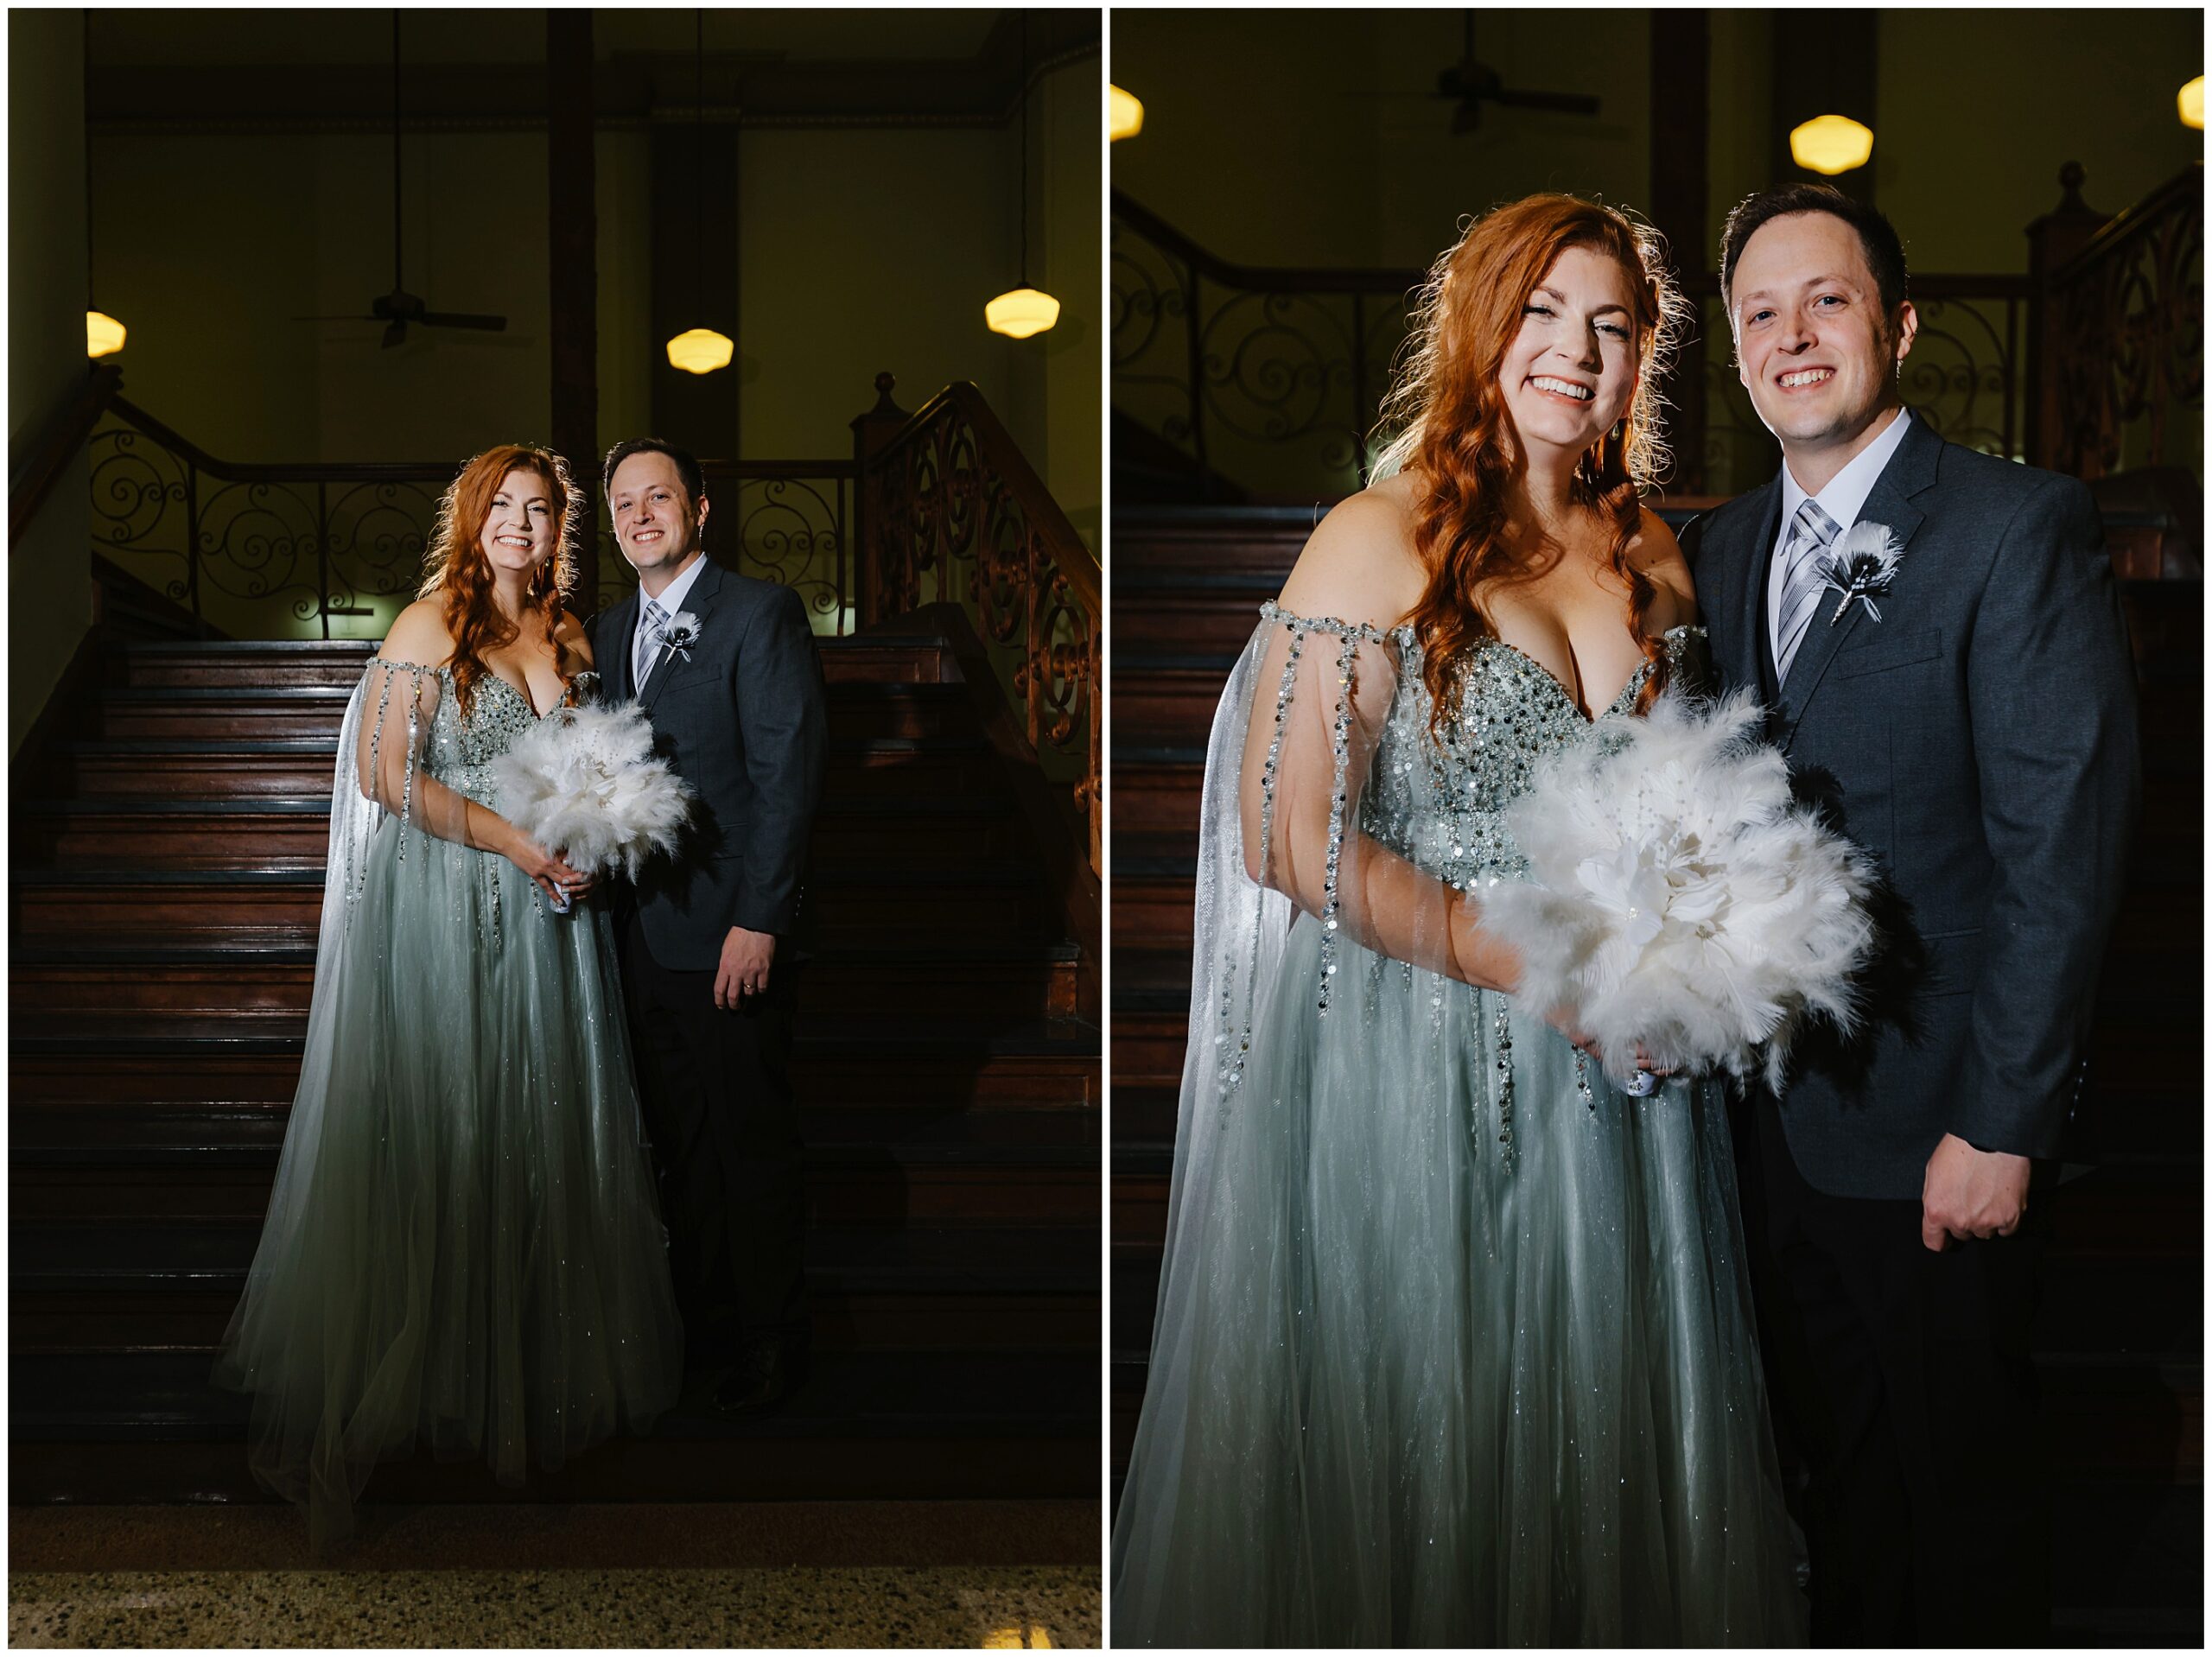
(1472, 82)
(398, 308)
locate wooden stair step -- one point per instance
(859, 708)
(87, 987)
(135, 832)
(999, 1071)
(855, 905)
(150, 1287)
(149, 1427)
(845, 1186)
(338, 664)
(887, 772)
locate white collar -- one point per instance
(1845, 498)
(672, 597)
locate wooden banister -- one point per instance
(49, 456)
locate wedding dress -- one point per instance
(463, 1247)
(1454, 1344)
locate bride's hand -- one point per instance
(561, 884)
(1564, 1020)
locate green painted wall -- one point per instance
(862, 249)
(49, 584)
(1319, 139)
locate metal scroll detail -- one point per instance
(1966, 375)
(2130, 340)
(280, 551)
(1254, 382)
(955, 515)
(786, 521)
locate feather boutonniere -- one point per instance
(1862, 565)
(681, 633)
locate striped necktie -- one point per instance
(1812, 532)
(650, 635)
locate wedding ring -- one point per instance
(1641, 1085)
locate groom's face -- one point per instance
(656, 523)
(1813, 345)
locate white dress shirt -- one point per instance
(1843, 500)
(671, 600)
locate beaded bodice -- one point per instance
(1442, 803)
(460, 748)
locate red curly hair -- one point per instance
(458, 569)
(1454, 433)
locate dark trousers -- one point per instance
(725, 1130)
(1902, 1378)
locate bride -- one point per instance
(462, 1247)
(1454, 1344)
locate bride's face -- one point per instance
(518, 533)
(1570, 372)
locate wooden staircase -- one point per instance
(166, 886)
(2121, 1335)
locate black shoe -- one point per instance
(766, 1371)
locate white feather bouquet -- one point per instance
(1677, 900)
(584, 783)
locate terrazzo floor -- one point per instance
(800, 1575)
(803, 1606)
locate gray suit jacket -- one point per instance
(744, 720)
(1980, 740)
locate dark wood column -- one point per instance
(1682, 73)
(574, 296)
(694, 279)
(1824, 65)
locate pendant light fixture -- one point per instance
(1124, 114)
(1022, 311)
(700, 350)
(1831, 144)
(2190, 100)
(104, 335)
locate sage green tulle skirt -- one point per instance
(1440, 1364)
(463, 1249)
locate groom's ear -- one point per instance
(1908, 329)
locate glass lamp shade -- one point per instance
(1831, 144)
(2191, 101)
(1124, 114)
(701, 351)
(102, 334)
(1022, 312)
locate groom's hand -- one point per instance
(1970, 1193)
(746, 957)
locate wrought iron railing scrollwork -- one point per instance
(280, 551)
(2131, 337)
(1270, 378)
(955, 514)
(1966, 375)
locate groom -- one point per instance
(1978, 737)
(725, 669)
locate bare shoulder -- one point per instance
(1360, 565)
(418, 635)
(573, 639)
(1655, 551)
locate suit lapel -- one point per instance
(1910, 470)
(618, 633)
(1752, 652)
(700, 601)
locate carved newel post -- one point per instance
(878, 515)
(2053, 240)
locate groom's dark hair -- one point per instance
(1877, 238)
(694, 481)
